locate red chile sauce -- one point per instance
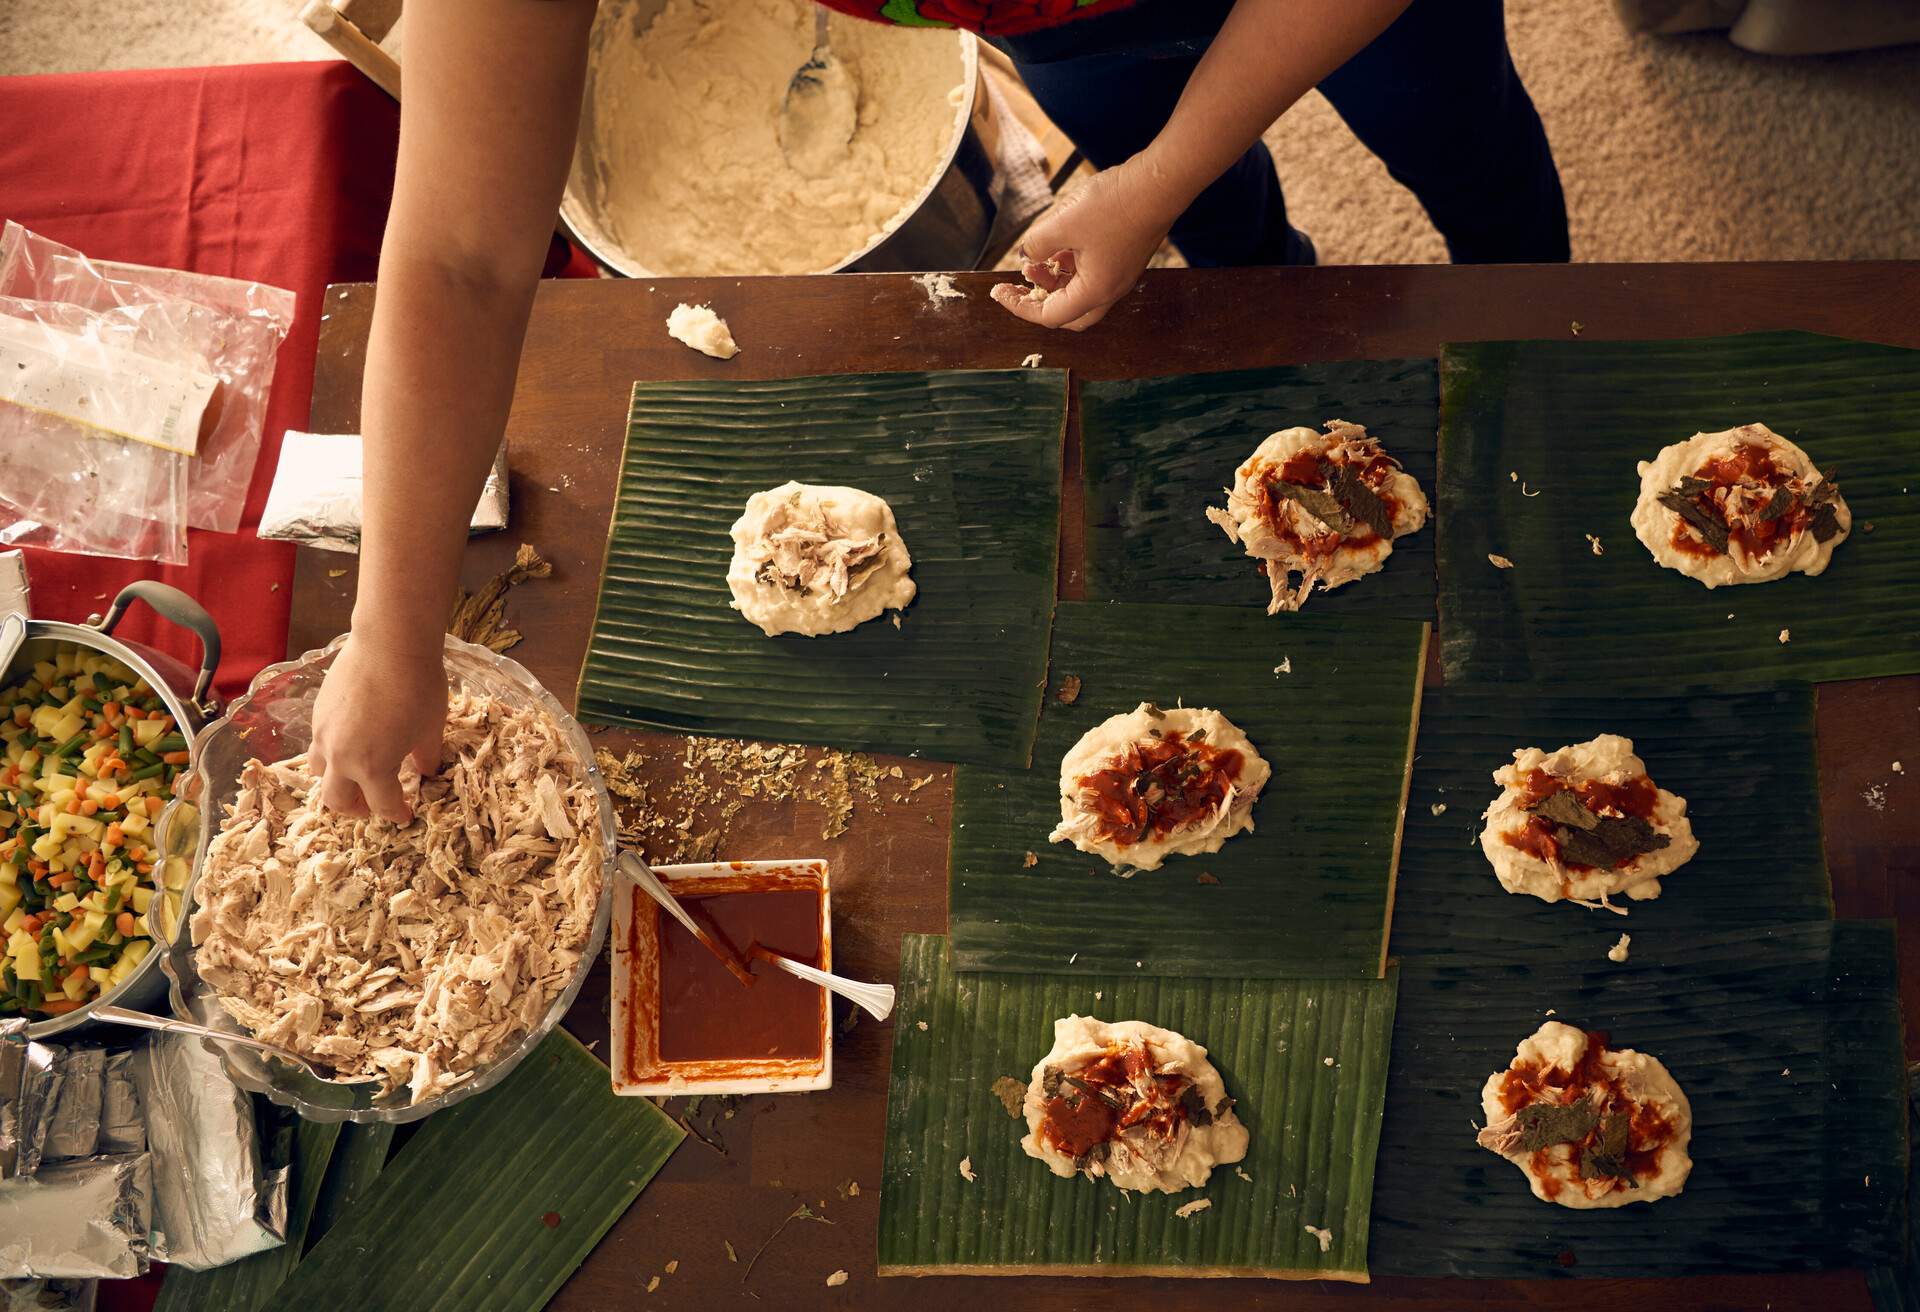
(706, 1014)
(1527, 1083)
(1159, 786)
(1311, 468)
(1536, 837)
(1075, 1121)
(1753, 462)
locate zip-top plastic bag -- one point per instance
(99, 411)
(235, 327)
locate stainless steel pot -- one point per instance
(189, 699)
(947, 225)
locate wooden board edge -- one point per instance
(1100, 1270)
(1406, 793)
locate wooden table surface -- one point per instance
(589, 341)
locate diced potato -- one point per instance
(98, 974)
(146, 732)
(9, 898)
(177, 870)
(142, 899)
(79, 935)
(66, 902)
(136, 952)
(9, 874)
(63, 943)
(12, 923)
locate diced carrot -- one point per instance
(59, 1006)
(115, 835)
(37, 867)
(73, 807)
(135, 713)
(155, 806)
(124, 923)
(80, 971)
(103, 730)
(175, 758)
(110, 708)
(31, 924)
(60, 880)
(89, 806)
(144, 867)
(97, 867)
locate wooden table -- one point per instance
(590, 340)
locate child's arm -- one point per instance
(492, 99)
(1267, 55)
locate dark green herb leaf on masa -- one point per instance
(1563, 808)
(1361, 502)
(1779, 504)
(1711, 529)
(1543, 1124)
(1050, 1082)
(1093, 1092)
(1321, 505)
(1612, 842)
(1607, 1159)
(1195, 1106)
(1069, 691)
(1826, 519)
(1097, 1153)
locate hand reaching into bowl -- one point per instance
(380, 704)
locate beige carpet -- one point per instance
(1671, 148)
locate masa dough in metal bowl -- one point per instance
(686, 112)
(814, 560)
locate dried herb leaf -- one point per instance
(1050, 1082)
(1611, 842)
(1778, 504)
(1094, 1092)
(1012, 1094)
(1321, 505)
(1607, 1160)
(480, 616)
(1098, 1153)
(1195, 1106)
(1826, 519)
(1563, 808)
(1069, 690)
(1708, 524)
(1542, 1124)
(1360, 501)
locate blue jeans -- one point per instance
(1435, 96)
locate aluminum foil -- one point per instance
(47, 1295)
(29, 1086)
(82, 1219)
(316, 493)
(14, 593)
(121, 1128)
(73, 1129)
(214, 1200)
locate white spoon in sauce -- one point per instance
(876, 998)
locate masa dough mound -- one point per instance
(1767, 549)
(815, 560)
(1327, 548)
(685, 144)
(706, 332)
(1132, 747)
(1608, 762)
(1620, 1081)
(1183, 1123)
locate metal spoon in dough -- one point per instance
(820, 110)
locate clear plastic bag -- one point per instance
(235, 326)
(83, 485)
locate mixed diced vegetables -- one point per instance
(90, 757)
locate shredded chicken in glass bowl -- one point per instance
(430, 996)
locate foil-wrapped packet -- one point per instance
(85, 1219)
(47, 1295)
(122, 1129)
(215, 1200)
(29, 1086)
(73, 1128)
(14, 592)
(316, 493)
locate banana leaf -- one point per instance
(248, 1284)
(1745, 764)
(493, 1203)
(1313, 1128)
(1570, 419)
(1329, 702)
(1897, 1288)
(970, 463)
(1157, 451)
(1787, 1043)
(358, 1158)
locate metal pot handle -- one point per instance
(172, 604)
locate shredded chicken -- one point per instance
(806, 551)
(408, 954)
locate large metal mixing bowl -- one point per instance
(947, 226)
(272, 721)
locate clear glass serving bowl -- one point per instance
(273, 720)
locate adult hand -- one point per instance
(378, 706)
(1089, 249)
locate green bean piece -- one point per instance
(173, 742)
(93, 704)
(102, 682)
(126, 739)
(142, 756)
(147, 772)
(113, 900)
(72, 744)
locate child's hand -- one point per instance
(376, 708)
(1089, 249)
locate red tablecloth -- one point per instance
(276, 173)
